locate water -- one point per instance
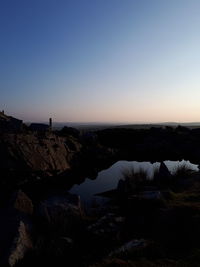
(108, 179)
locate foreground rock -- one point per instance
(129, 247)
(21, 243)
(15, 235)
(107, 226)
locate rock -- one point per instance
(129, 246)
(153, 195)
(63, 213)
(47, 153)
(15, 241)
(21, 202)
(21, 244)
(108, 226)
(163, 173)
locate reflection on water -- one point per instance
(108, 179)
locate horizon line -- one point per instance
(116, 123)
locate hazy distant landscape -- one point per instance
(96, 126)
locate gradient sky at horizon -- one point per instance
(125, 61)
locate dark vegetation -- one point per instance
(165, 213)
(153, 144)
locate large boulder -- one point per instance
(47, 153)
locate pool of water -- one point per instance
(108, 179)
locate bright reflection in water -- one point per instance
(108, 179)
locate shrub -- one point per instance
(134, 180)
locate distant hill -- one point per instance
(100, 126)
(92, 126)
(163, 124)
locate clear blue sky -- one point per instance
(100, 60)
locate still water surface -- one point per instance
(108, 179)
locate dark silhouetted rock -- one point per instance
(163, 171)
(9, 124)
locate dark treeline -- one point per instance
(154, 143)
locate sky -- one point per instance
(121, 61)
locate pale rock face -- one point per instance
(48, 153)
(21, 244)
(16, 236)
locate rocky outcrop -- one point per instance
(47, 153)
